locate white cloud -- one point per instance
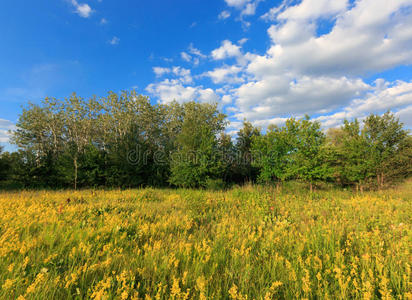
(103, 21)
(242, 41)
(183, 75)
(82, 9)
(195, 51)
(224, 15)
(194, 56)
(247, 8)
(170, 90)
(378, 31)
(5, 126)
(280, 95)
(313, 9)
(114, 41)
(185, 56)
(307, 70)
(208, 96)
(405, 116)
(226, 50)
(270, 121)
(160, 71)
(226, 74)
(384, 96)
(236, 3)
(274, 11)
(227, 99)
(302, 72)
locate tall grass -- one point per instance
(244, 243)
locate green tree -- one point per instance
(270, 153)
(356, 165)
(385, 137)
(80, 127)
(195, 160)
(308, 157)
(244, 169)
(4, 172)
(227, 157)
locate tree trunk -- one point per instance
(75, 172)
(311, 187)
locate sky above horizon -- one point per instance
(260, 60)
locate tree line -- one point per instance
(123, 140)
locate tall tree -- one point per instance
(3, 165)
(307, 160)
(195, 161)
(244, 168)
(80, 118)
(356, 166)
(270, 153)
(384, 136)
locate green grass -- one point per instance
(250, 242)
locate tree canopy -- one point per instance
(123, 140)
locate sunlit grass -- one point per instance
(251, 242)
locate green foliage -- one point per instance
(377, 154)
(244, 170)
(123, 140)
(271, 153)
(195, 160)
(295, 150)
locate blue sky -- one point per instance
(260, 60)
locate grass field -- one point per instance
(244, 243)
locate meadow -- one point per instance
(244, 243)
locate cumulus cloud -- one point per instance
(247, 7)
(174, 90)
(274, 11)
(378, 31)
(226, 74)
(183, 75)
(207, 95)
(170, 90)
(226, 99)
(226, 50)
(308, 70)
(384, 96)
(302, 72)
(405, 116)
(280, 95)
(194, 56)
(236, 3)
(160, 71)
(313, 9)
(5, 127)
(82, 9)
